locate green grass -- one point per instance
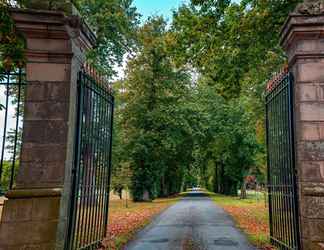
(251, 216)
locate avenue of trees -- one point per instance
(190, 108)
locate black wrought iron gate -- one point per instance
(283, 200)
(91, 173)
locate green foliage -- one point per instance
(152, 117)
(115, 23)
(12, 44)
(235, 49)
(121, 179)
(231, 44)
(6, 175)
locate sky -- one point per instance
(157, 7)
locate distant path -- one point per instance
(194, 223)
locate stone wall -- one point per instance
(35, 216)
(303, 40)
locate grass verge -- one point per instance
(251, 215)
(125, 222)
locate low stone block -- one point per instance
(34, 152)
(313, 207)
(34, 131)
(28, 233)
(46, 208)
(311, 71)
(312, 171)
(41, 246)
(311, 111)
(49, 110)
(316, 229)
(48, 72)
(42, 174)
(47, 91)
(44, 44)
(320, 92)
(311, 151)
(307, 92)
(312, 131)
(13, 212)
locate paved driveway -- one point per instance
(194, 223)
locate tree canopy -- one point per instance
(190, 109)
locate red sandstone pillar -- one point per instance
(36, 213)
(303, 40)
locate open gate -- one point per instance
(283, 198)
(92, 167)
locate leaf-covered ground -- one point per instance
(251, 215)
(125, 222)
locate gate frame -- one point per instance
(93, 79)
(272, 86)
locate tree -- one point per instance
(227, 139)
(154, 90)
(114, 22)
(12, 44)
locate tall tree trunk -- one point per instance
(216, 180)
(243, 190)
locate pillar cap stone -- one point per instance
(299, 35)
(32, 193)
(311, 7)
(54, 24)
(301, 25)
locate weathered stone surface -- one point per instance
(46, 110)
(311, 7)
(312, 131)
(47, 91)
(313, 207)
(311, 151)
(311, 111)
(320, 92)
(310, 245)
(310, 92)
(46, 132)
(48, 44)
(13, 211)
(312, 189)
(311, 72)
(46, 208)
(43, 174)
(41, 246)
(53, 72)
(27, 232)
(316, 230)
(307, 92)
(37, 153)
(312, 171)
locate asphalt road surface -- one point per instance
(194, 223)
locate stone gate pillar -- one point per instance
(303, 40)
(35, 214)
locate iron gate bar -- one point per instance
(11, 80)
(92, 168)
(283, 199)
